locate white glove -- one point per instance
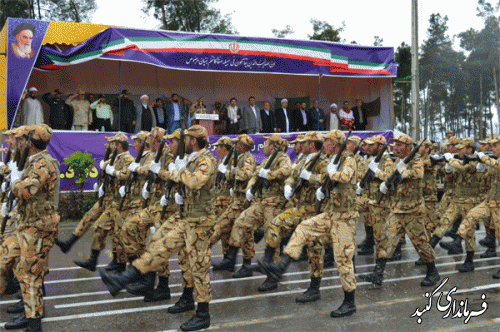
(481, 155)
(5, 186)
(96, 187)
(249, 195)
(121, 191)
(305, 174)
(359, 190)
(180, 163)
(133, 166)
(155, 167)
(448, 168)
(383, 188)
(163, 201)
(481, 168)
(288, 192)
(5, 211)
(152, 230)
(235, 170)
(320, 195)
(222, 168)
(178, 199)
(231, 192)
(401, 167)
(145, 192)
(294, 165)
(101, 164)
(110, 169)
(2, 163)
(373, 166)
(332, 168)
(171, 167)
(448, 156)
(263, 173)
(101, 191)
(15, 175)
(11, 165)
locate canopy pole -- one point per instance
(319, 88)
(119, 93)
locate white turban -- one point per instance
(333, 105)
(144, 96)
(32, 89)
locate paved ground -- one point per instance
(77, 300)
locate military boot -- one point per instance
(200, 320)
(18, 322)
(456, 247)
(377, 276)
(228, 262)
(145, 285)
(497, 275)
(258, 235)
(91, 263)
(303, 256)
(367, 237)
(432, 276)
(160, 293)
(185, 303)
(113, 265)
(16, 308)
(246, 269)
(34, 325)
(115, 282)
(275, 271)
(367, 249)
(328, 259)
(312, 293)
(397, 255)
(66, 245)
(468, 265)
(12, 284)
(347, 308)
(490, 252)
(269, 283)
(488, 241)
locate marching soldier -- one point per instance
(36, 189)
(298, 149)
(192, 229)
(111, 220)
(489, 209)
(407, 214)
(489, 241)
(263, 208)
(339, 220)
(239, 176)
(223, 197)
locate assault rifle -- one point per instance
(153, 177)
(133, 176)
(370, 175)
(106, 177)
(221, 176)
(101, 173)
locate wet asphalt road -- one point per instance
(77, 300)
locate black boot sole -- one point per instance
(113, 287)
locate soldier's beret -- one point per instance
(244, 139)
(224, 140)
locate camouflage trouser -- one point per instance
(88, 219)
(362, 202)
(285, 223)
(191, 235)
(431, 223)
(442, 207)
(258, 215)
(30, 246)
(341, 226)
(224, 226)
(489, 211)
(134, 232)
(379, 215)
(412, 224)
(226, 212)
(110, 223)
(454, 212)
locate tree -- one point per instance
(190, 16)
(322, 30)
(282, 33)
(378, 41)
(402, 88)
(10, 8)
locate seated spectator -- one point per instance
(346, 117)
(268, 119)
(103, 112)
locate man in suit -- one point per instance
(126, 111)
(318, 117)
(360, 119)
(174, 113)
(303, 119)
(285, 122)
(251, 117)
(146, 118)
(268, 119)
(160, 113)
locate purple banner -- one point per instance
(24, 41)
(64, 143)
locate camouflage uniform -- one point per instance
(407, 213)
(263, 209)
(430, 194)
(339, 220)
(192, 231)
(488, 210)
(224, 223)
(37, 194)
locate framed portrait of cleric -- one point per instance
(21, 47)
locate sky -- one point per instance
(364, 19)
